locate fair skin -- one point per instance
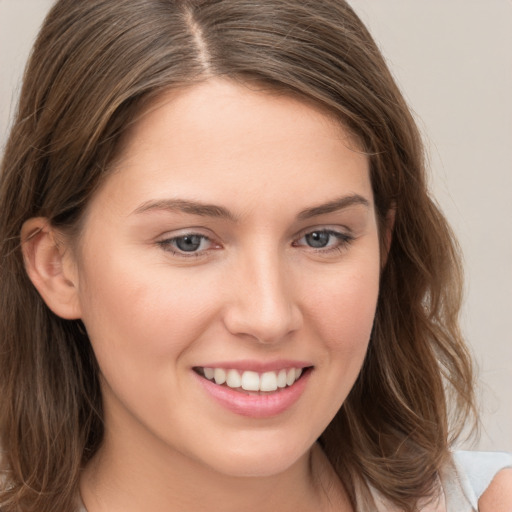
(280, 272)
(236, 231)
(498, 496)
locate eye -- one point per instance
(318, 239)
(324, 239)
(191, 244)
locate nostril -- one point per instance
(265, 325)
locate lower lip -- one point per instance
(256, 406)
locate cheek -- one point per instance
(343, 313)
(141, 329)
(142, 313)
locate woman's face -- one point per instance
(236, 238)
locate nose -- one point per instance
(263, 304)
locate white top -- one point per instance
(463, 482)
(469, 478)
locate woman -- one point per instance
(224, 284)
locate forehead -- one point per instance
(205, 107)
(219, 137)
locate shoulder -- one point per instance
(477, 481)
(498, 496)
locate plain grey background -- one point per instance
(453, 60)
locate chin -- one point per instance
(259, 462)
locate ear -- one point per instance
(387, 238)
(50, 267)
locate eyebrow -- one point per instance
(333, 206)
(184, 206)
(212, 210)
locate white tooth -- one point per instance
(290, 376)
(298, 373)
(281, 379)
(268, 381)
(233, 379)
(208, 373)
(250, 381)
(219, 375)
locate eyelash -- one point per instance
(343, 239)
(168, 246)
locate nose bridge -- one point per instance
(264, 306)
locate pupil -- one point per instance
(188, 243)
(317, 239)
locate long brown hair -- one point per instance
(93, 67)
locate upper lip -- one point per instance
(257, 366)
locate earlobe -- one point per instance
(50, 268)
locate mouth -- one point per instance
(252, 382)
(255, 389)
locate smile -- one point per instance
(250, 380)
(254, 394)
